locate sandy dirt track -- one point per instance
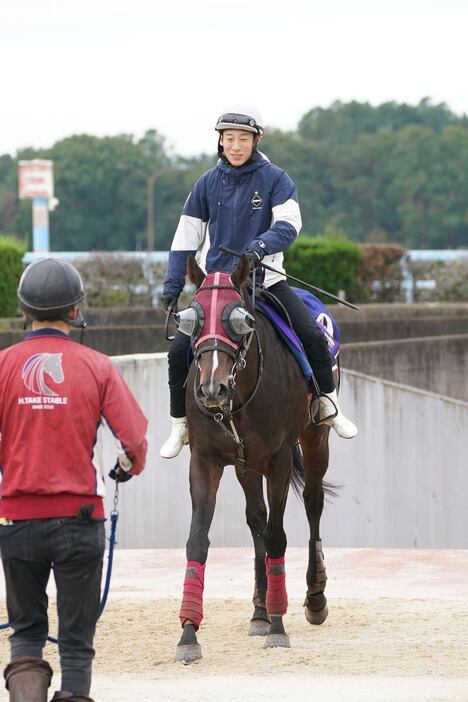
(403, 642)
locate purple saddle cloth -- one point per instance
(322, 316)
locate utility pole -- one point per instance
(150, 181)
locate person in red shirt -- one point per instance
(54, 393)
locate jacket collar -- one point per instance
(47, 331)
(256, 161)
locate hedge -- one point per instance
(11, 268)
(328, 263)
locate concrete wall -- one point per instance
(111, 340)
(113, 331)
(359, 330)
(404, 478)
(396, 310)
(116, 331)
(436, 364)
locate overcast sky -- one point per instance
(106, 67)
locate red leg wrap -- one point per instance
(191, 609)
(277, 597)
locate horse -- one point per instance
(248, 406)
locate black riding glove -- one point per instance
(169, 301)
(254, 258)
(119, 475)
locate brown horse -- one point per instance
(247, 405)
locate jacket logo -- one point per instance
(256, 201)
(35, 369)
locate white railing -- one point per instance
(404, 478)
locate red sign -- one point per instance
(35, 179)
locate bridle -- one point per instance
(237, 350)
(224, 416)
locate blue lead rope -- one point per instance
(114, 517)
(110, 560)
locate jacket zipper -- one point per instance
(234, 238)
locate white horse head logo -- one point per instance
(37, 366)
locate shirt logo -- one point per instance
(256, 201)
(35, 368)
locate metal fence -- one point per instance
(404, 478)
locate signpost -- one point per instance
(36, 182)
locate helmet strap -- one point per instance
(83, 327)
(27, 321)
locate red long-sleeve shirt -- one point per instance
(53, 394)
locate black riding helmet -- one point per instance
(49, 289)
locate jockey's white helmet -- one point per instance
(240, 116)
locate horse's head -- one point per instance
(53, 366)
(220, 328)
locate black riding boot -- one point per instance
(70, 697)
(27, 679)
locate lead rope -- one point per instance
(114, 517)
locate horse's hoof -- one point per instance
(259, 627)
(277, 641)
(188, 653)
(317, 617)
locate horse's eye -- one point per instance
(241, 321)
(187, 321)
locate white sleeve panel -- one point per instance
(288, 212)
(189, 235)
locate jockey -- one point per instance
(53, 393)
(247, 204)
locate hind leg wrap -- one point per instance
(191, 609)
(316, 574)
(316, 577)
(277, 597)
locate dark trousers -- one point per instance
(73, 548)
(303, 323)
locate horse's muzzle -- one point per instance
(213, 394)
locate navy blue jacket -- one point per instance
(253, 206)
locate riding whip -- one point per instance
(297, 280)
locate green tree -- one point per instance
(344, 123)
(395, 172)
(11, 267)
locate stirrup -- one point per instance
(315, 407)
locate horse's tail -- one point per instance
(298, 475)
(330, 489)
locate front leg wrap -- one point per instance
(277, 597)
(191, 609)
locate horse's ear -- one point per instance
(194, 272)
(241, 271)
